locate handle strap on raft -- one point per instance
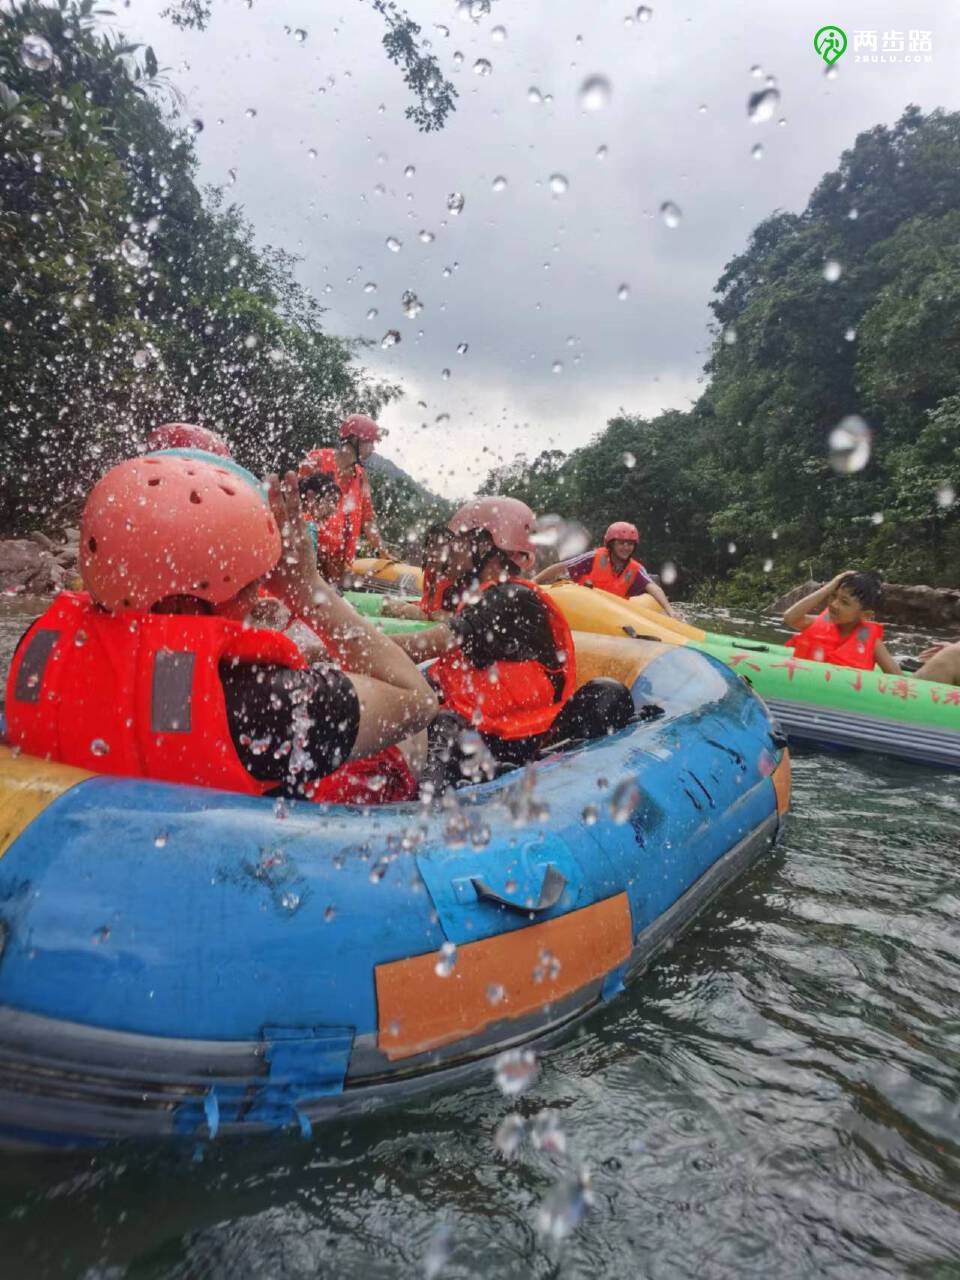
(636, 635)
(551, 891)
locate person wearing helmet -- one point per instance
(153, 671)
(339, 535)
(436, 603)
(505, 662)
(184, 435)
(611, 567)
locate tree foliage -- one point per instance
(127, 296)
(739, 491)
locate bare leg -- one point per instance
(414, 751)
(943, 666)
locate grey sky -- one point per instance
(537, 273)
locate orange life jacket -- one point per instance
(434, 590)
(136, 694)
(603, 577)
(337, 536)
(510, 699)
(822, 642)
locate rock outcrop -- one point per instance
(36, 565)
(932, 608)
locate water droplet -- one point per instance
(438, 1251)
(670, 213)
(495, 993)
(311, 153)
(877, 517)
(624, 799)
(250, 112)
(731, 548)
(850, 334)
(546, 1134)
(832, 270)
(369, 287)
(455, 203)
(644, 13)
(703, 108)
(499, 183)
(445, 374)
(853, 214)
(729, 336)
(482, 67)
(426, 237)
(290, 901)
(412, 306)
(393, 244)
(757, 151)
(595, 93)
(767, 565)
(99, 748)
(602, 151)
(558, 184)
(498, 35)
(563, 1210)
(195, 126)
(390, 339)
(133, 254)
(231, 177)
(515, 1071)
(629, 460)
(668, 573)
(447, 961)
(160, 840)
(299, 35)
(946, 496)
(463, 348)
(329, 913)
(590, 814)
(762, 105)
(557, 366)
(623, 293)
(458, 59)
(756, 71)
(849, 445)
(372, 313)
(36, 53)
(101, 935)
(534, 95)
(510, 1135)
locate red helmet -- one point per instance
(166, 526)
(361, 427)
(184, 435)
(621, 529)
(508, 521)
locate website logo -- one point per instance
(830, 43)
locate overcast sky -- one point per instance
(534, 274)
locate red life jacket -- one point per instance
(338, 536)
(510, 699)
(135, 694)
(603, 577)
(822, 642)
(434, 590)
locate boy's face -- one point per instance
(845, 609)
(320, 507)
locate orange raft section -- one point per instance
(416, 1012)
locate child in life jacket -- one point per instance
(505, 661)
(320, 498)
(152, 671)
(611, 567)
(843, 633)
(436, 603)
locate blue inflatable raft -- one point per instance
(176, 960)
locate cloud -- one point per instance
(525, 276)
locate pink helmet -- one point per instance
(508, 521)
(184, 435)
(166, 526)
(364, 428)
(621, 529)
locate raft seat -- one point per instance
(613, 657)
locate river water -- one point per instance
(779, 1097)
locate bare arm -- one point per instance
(802, 613)
(658, 593)
(424, 645)
(884, 660)
(408, 609)
(552, 573)
(395, 700)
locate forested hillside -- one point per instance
(850, 308)
(127, 295)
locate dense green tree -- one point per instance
(127, 297)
